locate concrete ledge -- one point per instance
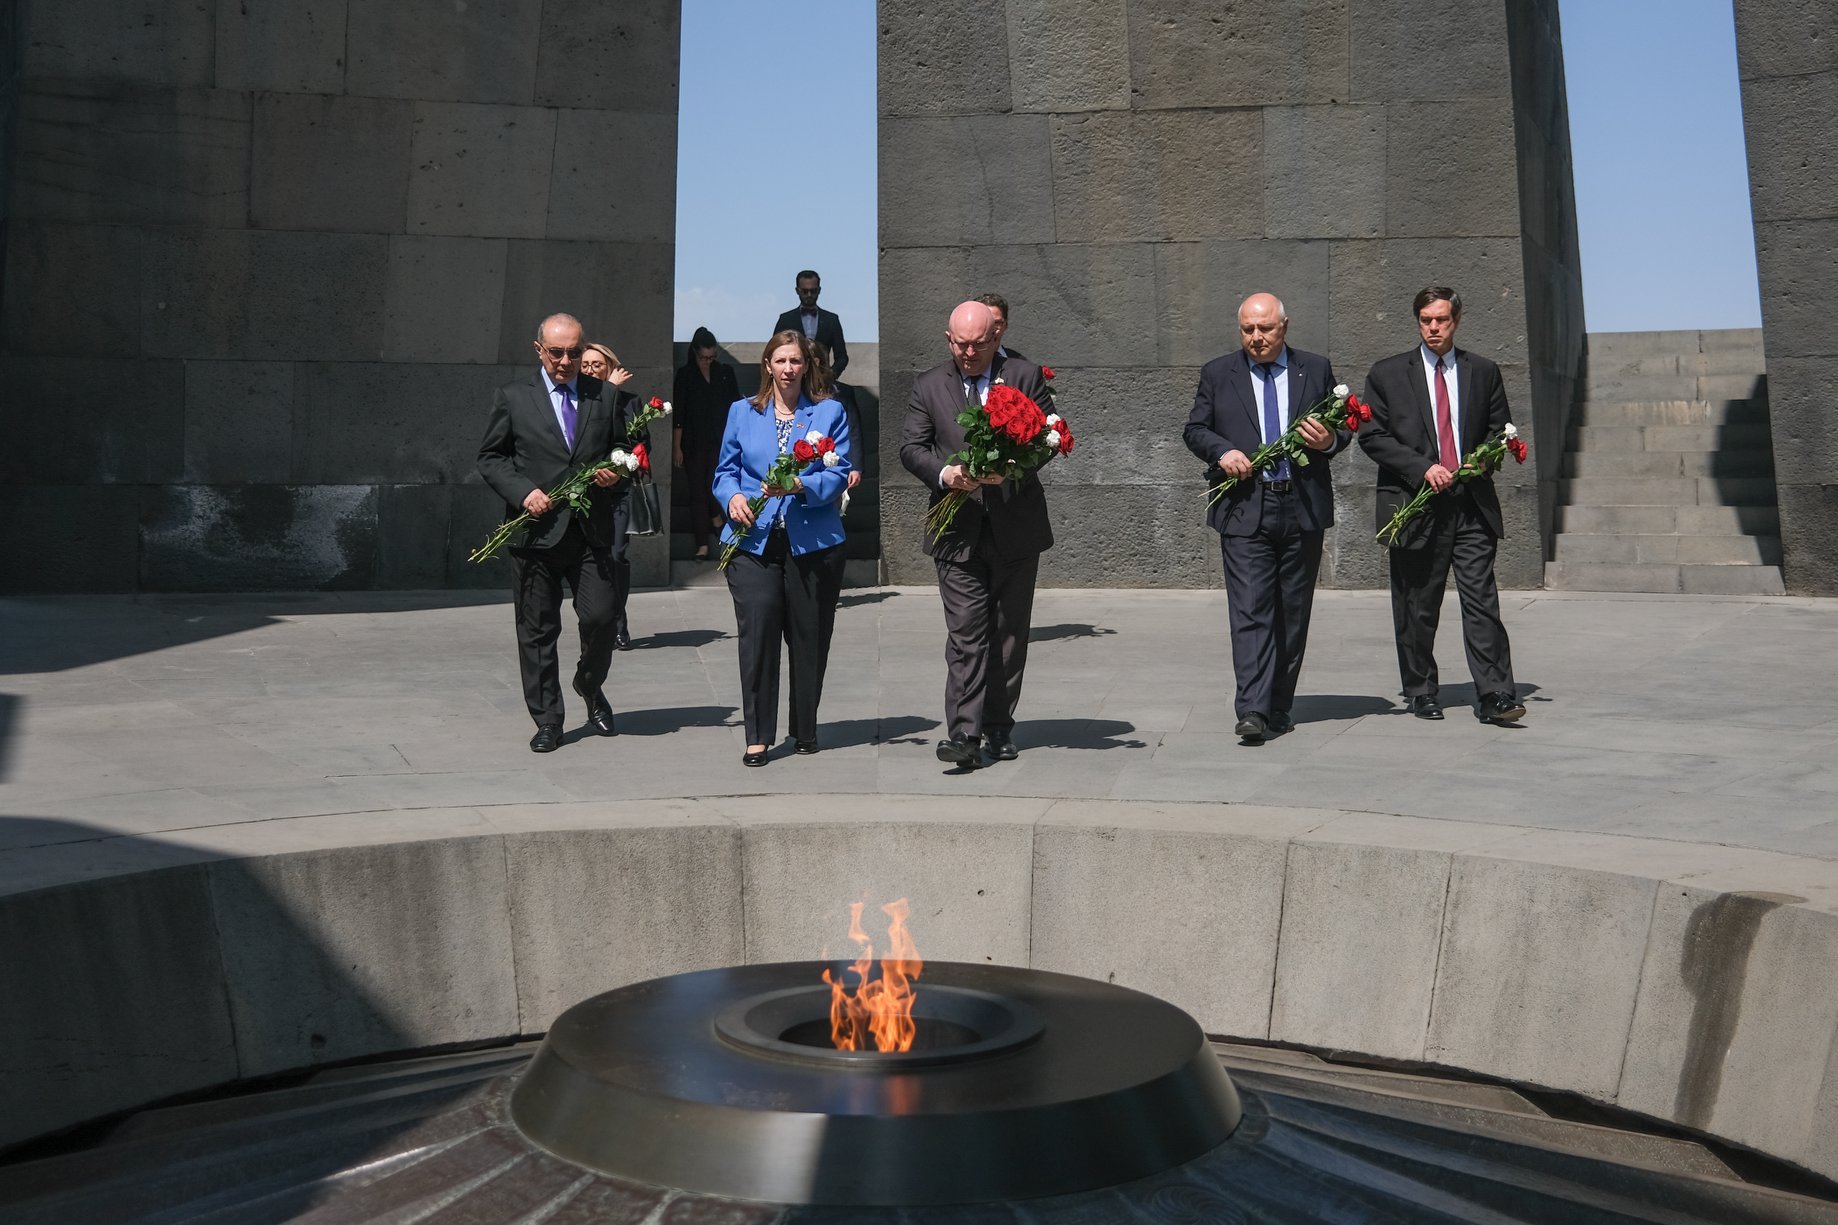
(1688, 982)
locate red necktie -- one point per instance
(1445, 427)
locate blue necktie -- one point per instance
(1273, 420)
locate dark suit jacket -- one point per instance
(1226, 416)
(523, 450)
(829, 335)
(1401, 437)
(1015, 511)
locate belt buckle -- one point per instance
(1278, 486)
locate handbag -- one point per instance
(647, 516)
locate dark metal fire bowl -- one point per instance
(1022, 1084)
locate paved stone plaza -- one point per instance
(222, 719)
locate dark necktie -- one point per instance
(569, 416)
(1445, 423)
(1273, 419)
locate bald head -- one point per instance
(972, 334)
(1262, 324)
(558, 346)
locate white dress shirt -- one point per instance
(1454, 384)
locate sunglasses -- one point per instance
(557, 354)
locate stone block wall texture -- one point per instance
(264, 265)
(1788, 61)
(1125, 172)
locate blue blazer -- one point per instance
(750, 445)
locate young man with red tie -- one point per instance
(1431, 406)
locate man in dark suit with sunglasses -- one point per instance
(542, 428)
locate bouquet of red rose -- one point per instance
(1484, 458)
(574, 489)
(1341, 409)
(1008, 435)
(812, 448)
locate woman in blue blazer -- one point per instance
(787, 574)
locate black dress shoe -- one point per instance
(751, 758)
(1425, 706)
(965, 751)
(1000, 747)
(1280, 722)
(806, 747)
(1251, 727)
(622, 641)
(1501, 708)
(547, 739)
(599, 710)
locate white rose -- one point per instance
(1053, 419)
(814, 437)
(1052, 438)
(1512, 431)
(831, 459)
(666, 409)
(1342, 391)
(619, 458)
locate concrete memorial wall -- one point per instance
(1125, 172)
(1788, 58)
(264, 265)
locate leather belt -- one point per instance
(1279, 486)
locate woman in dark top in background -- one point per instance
(703, 391)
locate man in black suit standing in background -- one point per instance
(542, 427)
(988, 558)
(1270, 523)
(1432, 405)
(819, 325)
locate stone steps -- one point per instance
(1668, 481)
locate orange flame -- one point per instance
(880, 1010)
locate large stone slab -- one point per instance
(990, 180)
(1129, 535)
(239, 421)
(1069, 57)
(64, 288)
(1728, 1026)
(939, 58)
(414, 525)
(593, 192)
(130, 414)
(249, 537)
(1133, 175)
(434, 50)
(390, 422)
(596, 909)
(1202, 285)
(1539, 968)
(330, 163)
(354, 951)
(104, 41)
(1394, 40)
(1213, 898)
(1322, 165)
(296, 48)
(620, 292)
(184, 151)
(1793, 152)
(1374, 282)
(444, 299)
(615, 57)
(1135, 412)
(480, 171)
(97, 547)
(967, 881)
(1194, 55)
(1441, 188)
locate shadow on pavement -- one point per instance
(1076, 734)
(1054, 633)
(897, 729)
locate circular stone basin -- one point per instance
(1023, 1084)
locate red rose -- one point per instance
(1065, 437)
(655, 402)
(1046, 372)
(1517, 447)
(803, 451)
(1012, 413)
(643, 455)
(825, 445)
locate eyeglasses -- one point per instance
(556, 354)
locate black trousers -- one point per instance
(539, 574)
(989, 609)
(1459, 541)
(1270, 591)
(782, 597)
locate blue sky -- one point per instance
(776, 164)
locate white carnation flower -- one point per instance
(814, 437)
(1342, 391)
(666, 408)
(1052, 439)
(1053, 419)
(831, 459)
(619, 457)
(1512, 431)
